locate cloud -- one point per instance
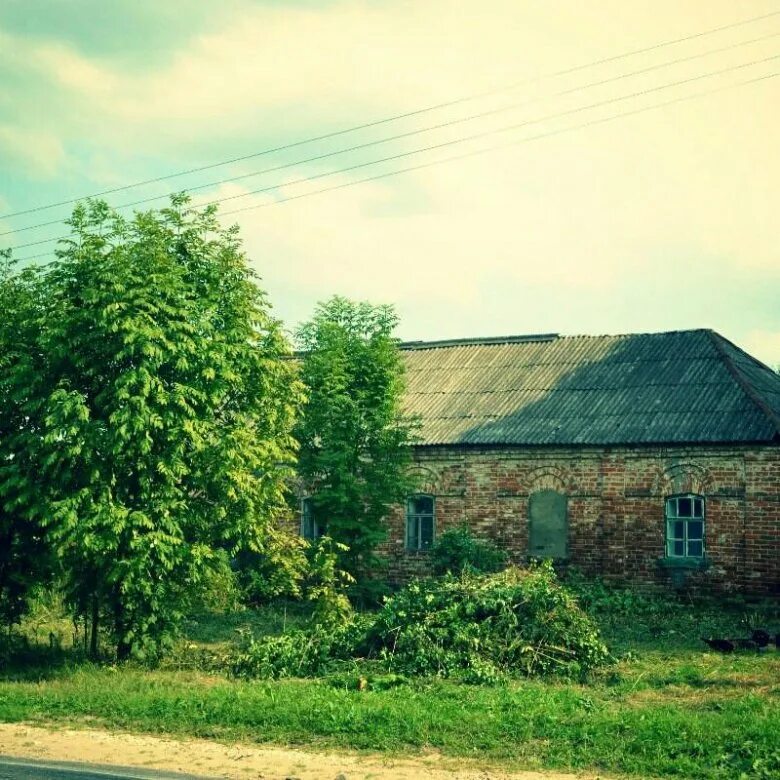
(658, 220)
(74, 72)
(41, 153)
(57, 64)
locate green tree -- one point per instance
(161, 408)
(26, 559)
(354, 438)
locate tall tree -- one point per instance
(160, 416)
(354, 438)
(26, 559)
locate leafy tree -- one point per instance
(161, 403)
(327, 584)
(354, 438)
(26, 559)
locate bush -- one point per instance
(601, 597)
(300, 653)
(278, 571)
(327, 583)
(478, 627)
(218, 591)
(458, 550)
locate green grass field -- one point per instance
(667, 707)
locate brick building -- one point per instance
(651, 458)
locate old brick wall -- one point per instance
(615, 507)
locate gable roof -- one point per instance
(653, 388)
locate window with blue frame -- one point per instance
(685, 526)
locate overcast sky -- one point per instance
(661, 220)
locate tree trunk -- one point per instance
(93, 643)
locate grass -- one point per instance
(222, 629)
(666, 708)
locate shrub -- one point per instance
(218, 592)
(601, 597)
(327, 583)
(458, 550)
(275, 572)
(300, 653)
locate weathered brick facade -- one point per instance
(616, 524)
(647, 458)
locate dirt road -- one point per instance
(202, 757)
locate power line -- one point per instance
(395, 117)
(464, 139)
(410, 133)
(477, 152)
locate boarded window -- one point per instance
(548, 526)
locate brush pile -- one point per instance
(519, 621)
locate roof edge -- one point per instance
(479, 341)
(533, 337)
(612, 445)
(747, 388)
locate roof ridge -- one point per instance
(480, 341)
(533, 338)
(741, 380)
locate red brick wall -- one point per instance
(615, 507)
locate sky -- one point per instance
(578, 206)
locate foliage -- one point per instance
(480, 626)
(292, 568)
(520, 620)
(218, 592)
(301, 653)
(602, 597)
(328, 583)
(277, 571)
(26, 557)
(354, 439)
(157, 403)
(371, 591)
(457, 550)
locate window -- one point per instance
(419, 522)
(310, 528)
(685, 527)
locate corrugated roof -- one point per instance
(652, 388)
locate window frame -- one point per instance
(409, 515)
(671, 538)
(317, 529)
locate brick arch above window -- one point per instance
(426, 479)
(549, 478)
(681, 478)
